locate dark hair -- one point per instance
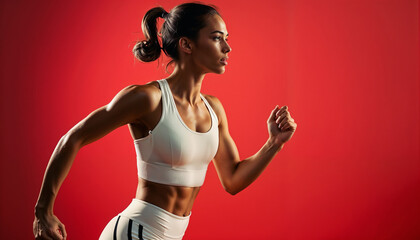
(184, 20)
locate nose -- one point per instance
(227, 48)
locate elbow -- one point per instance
(70, 140)
(231, 189)
(232, 192)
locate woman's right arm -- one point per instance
(129, 105)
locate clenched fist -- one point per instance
(281, 126)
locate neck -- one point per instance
(185, 84)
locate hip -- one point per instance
(143, 220)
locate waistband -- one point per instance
(149, 215)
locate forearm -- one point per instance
(56, 171)
(248, 170)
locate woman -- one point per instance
(177, 131)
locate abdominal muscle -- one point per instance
(174, 199)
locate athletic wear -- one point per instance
(172, 153)
(144, 221)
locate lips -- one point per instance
(224, 61)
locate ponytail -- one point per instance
(149, 50)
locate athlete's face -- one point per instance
(211, 48)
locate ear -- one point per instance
(185, 45)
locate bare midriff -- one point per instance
(174, 199)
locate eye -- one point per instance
(218, 38)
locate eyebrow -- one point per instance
(220, 32)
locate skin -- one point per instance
(140, 107)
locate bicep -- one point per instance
(227, 156)
(127, 106)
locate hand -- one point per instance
(281, 126)
(47, 226)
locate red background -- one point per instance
(348, 70)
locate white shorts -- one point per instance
(144, 221)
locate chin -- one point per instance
(216, 70)
(220, 71)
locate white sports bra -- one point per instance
(172, 153)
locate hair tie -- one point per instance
(164, 14)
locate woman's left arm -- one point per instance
(234, 174)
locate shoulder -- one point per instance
(149, 92)
(144, 98)
(217, 106)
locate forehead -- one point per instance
(214, 23)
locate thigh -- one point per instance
(124, 228)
